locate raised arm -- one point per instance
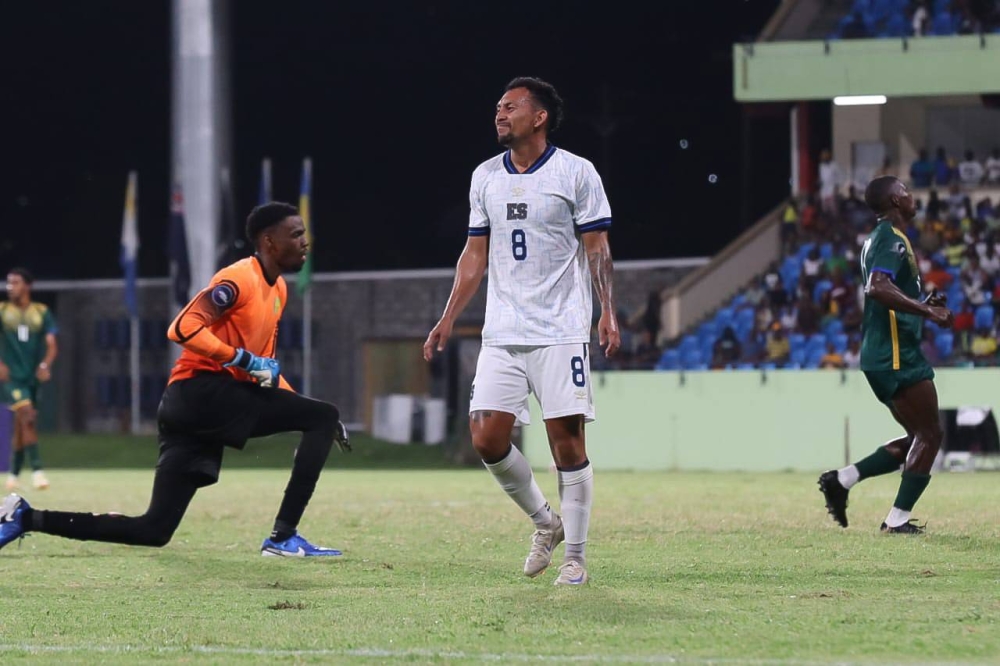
(468, 274)
(602, 270)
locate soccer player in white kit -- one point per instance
(539, 220)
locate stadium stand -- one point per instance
(914, 18)
(805, 310)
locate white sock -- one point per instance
(848, 476)
(576, 494)
(897, 517)
(514, 475)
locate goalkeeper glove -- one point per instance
(265, 370)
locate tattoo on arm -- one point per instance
(602, 271)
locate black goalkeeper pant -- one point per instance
(197, 419)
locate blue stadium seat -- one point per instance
(804, 250)
(705, 346)
(796, 341)
(940, 6)
(840, 341)
(745, 315)
(669, 360)
(738, 300)
(945, 343)
(707, 329)
(816, 341)
(688, 343)
(814, 357)
(724, 317)
(745, 366)
(768, 366)
(833, 327)
(743, 330)
(821, 287)
(984, 316)
(826, 250)
(942, 24)
(896, 26)
(797, 357)
(956, 298)
(690, 360)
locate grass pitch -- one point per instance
(690, 568)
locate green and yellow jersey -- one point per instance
(891, 340)
(22, 339)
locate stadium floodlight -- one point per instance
(859, 100)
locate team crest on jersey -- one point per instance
(223, 296)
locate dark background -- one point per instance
(394, 102)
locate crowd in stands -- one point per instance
(916, 18)
(806, 310)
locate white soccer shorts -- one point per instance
(558, 375)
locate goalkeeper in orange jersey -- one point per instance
(225, 388)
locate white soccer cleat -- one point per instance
(572, 572)
(543, 542)
(39, 480)
(11, 483)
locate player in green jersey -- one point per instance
(27, 351)
(892, 362)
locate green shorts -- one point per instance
(887, 383)
(17, 394)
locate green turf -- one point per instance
(693, 567)
(125, 451)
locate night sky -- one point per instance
(394, 102)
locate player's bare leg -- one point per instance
(916, 407)
(576, 491)
(27, 417)
(491, 431)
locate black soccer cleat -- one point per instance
(909, 527)
(836, 496)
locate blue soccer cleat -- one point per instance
(295, 546)
(11, 524)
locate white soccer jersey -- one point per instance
(539, 289)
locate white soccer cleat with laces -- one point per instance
(572, 572)
(543, 542)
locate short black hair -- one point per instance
(878, 193)
(544, 94)
(24, 273)
(266, 216)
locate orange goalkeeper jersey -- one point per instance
(238, 309)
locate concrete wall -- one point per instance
(349, 309)
(748, 421)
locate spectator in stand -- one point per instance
(852, 318)
(989, 261)
(929, 349)
(753, 350)
(993, 167)
(790, 224)
(856, 28)
(777, 295)
(832, 360)
(812, 269)
(922, 170)
(984, 347)
(955, 202)
(937, 278)
(829, 182)
(842, 293)
(807, 221)
(778, 348)
(852, 357)
(933, 207)
(726, 350)
(985, 213)
(974, 281)
(854, 210)
(807, 315)
(763, 320)
(921, 19)
(828, 310)
(789, 317)
(942, 170)
(970, 172)
(754, 294)
(965, 321)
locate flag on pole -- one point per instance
(305, 275)
(177, 251)
(129, 257)
(264, 194)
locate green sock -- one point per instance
(879, 463)
(34, 457)
(16, 462)
(910, 489)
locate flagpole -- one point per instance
(134, 371)
(305, 277)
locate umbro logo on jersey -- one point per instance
(517, 211)
(517, 191)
